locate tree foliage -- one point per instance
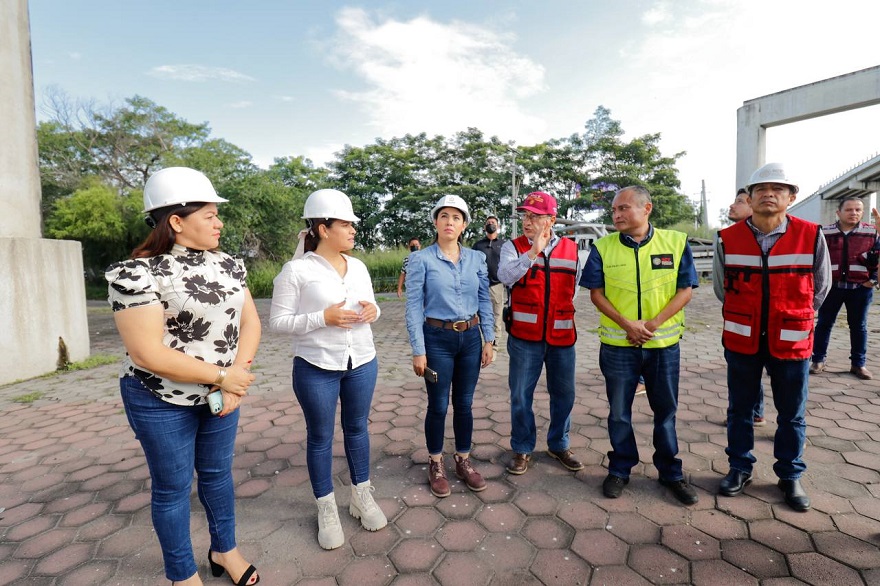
(94, 161)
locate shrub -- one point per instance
(383, 265)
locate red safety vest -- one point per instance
(541, 301)
(769, 295)
(850, 261)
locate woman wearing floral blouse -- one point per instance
(190, 327)
(325, 299)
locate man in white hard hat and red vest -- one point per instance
(771, 272)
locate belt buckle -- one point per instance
(464, 325)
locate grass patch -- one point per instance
(28, 398)
(93, 361)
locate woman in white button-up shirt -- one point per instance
(325, 299)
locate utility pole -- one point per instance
(704, 207)
(514, 193)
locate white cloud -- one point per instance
(75, 56)
(241, 104)
(657, 14)
(439, 78)
(708, 56)
(198, 73)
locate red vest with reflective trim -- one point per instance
(850, 261)
(541, 301)
(770, 295)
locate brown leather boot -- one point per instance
(437, 478)
(465, 471)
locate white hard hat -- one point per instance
(329, 203)
(178, 186)
(771, 173)
(451, 201)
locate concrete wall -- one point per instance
(837, 94)
(19, 169)
(42, 298)
(42, 291)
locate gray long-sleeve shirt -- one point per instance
(513, 265)
(821, 262)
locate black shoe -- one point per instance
(795, 495)
(683, 491)
(613, 485)
(734, 483)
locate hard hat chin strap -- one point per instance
(150, 221)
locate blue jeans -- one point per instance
(857, 302)
(177, 440)
(788, 380)
(759, 406)
(318, 391)
(526, 361)
(621, 367)
(456, 358)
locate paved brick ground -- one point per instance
(74, 487)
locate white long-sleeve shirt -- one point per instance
(307, 286)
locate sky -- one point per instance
(306, 77)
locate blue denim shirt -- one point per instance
(437, 288)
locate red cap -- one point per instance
(539, 203)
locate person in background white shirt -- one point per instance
(325, 299)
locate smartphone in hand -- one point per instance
(430, 375)
(215, 401)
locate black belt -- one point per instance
(458, 326)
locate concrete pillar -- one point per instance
(42, 290)
(751, 143)
(19, 171)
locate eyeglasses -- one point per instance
(532, 217)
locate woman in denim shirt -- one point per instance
(447, 297)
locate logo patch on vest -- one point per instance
(662, 261)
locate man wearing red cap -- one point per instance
(541, 271)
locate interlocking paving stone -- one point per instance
(659, 565)
(848, 550)
(600, 548)
(690, 543)
(754, 558)
(819, 570)
(415, 555)
(718, 572)
(460, 535)
(75, 485)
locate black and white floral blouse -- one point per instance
(202, 293)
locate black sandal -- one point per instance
(217, 571)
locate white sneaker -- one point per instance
(330, 535)
(363, 507)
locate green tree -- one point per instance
(122, 145)
(617, 164)
(107, 225)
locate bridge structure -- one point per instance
(850, 91)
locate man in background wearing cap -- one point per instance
(782, 254)
(640, 279)
(853, 247)
(540, 270)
